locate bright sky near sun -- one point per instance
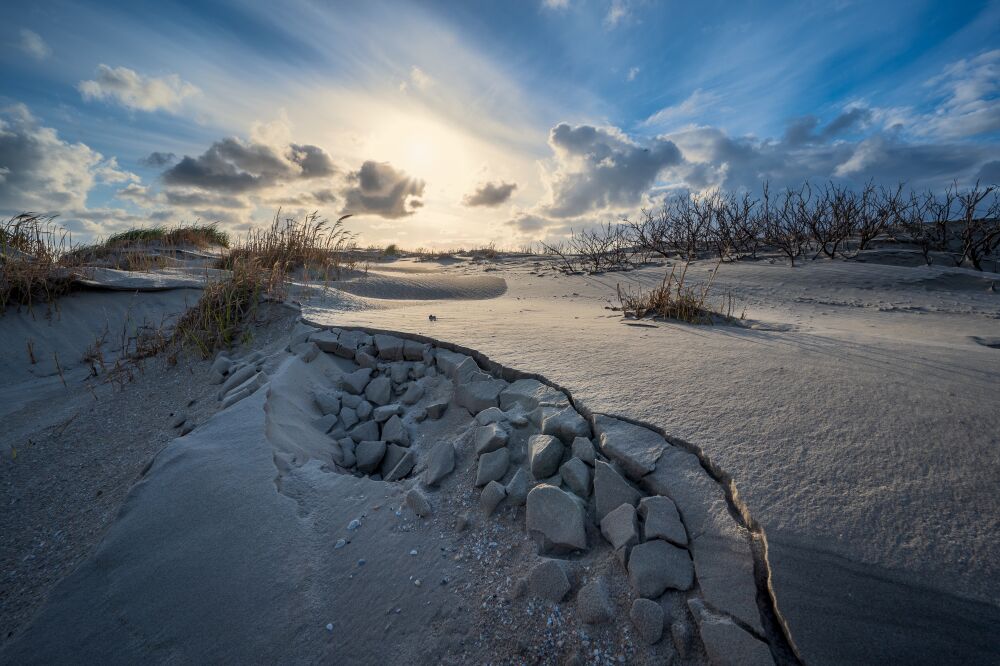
(442, 124)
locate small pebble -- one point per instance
(329, 627)
(413, 552)
(361, 563)
(417, 582)
(354, 524)
(340, 544)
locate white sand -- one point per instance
(863, 438)
(857, 418)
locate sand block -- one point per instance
(490, 438)
(493, 494)
(621, 527)
(633, 447)
(576, 475)
(611, 490)
(593, 606)
(529, 394)
(390, 348)
(563, 422)
(544, 455)
(655, 566)
(725, 642)
(548, 580)
(556, 519)
(369, 454)
(583, 449)
(440, 463)
(492, 466)
(721, 549)
(647, 618)
(660, 520)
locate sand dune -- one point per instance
(422, 285)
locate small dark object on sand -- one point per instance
(432, 317)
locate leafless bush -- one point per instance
(783, 222)
(606, 248)
(979, 225)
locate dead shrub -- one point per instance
(677, 299)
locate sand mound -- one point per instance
(420, 286)
(159, 280)
(361, 490)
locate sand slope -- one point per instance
(861, 430)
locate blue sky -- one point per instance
(449, 123)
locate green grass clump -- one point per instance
(199, 235)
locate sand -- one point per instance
(855, 415)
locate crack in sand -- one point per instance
(777, 634)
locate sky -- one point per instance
(450, 124)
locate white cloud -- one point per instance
(632, 73)
(595, 168)
(134, 91)
(33, 44)
(695, 103)
(555, 4)
(617, 12)
(970, 105)
(42, 172)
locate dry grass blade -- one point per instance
(677, 299)
(31, 249)
(311, 245)
(218, 318)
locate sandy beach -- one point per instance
(523, 379)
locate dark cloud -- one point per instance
(803, 131)
(596, 168)
(526, 223)
(191, 199)
(490, 194)
(989, 174)
(713, 158)
(158, 160)
(377, 188)
(236, 166)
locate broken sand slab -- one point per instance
(365, 490)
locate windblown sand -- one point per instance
(855, 412)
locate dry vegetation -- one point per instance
(675, 298)
(31, 267)
(220, 316)
(311, 246)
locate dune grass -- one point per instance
(32, 270)
(311, 245)
(226, 305)
(198, 235)
(677, 299)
